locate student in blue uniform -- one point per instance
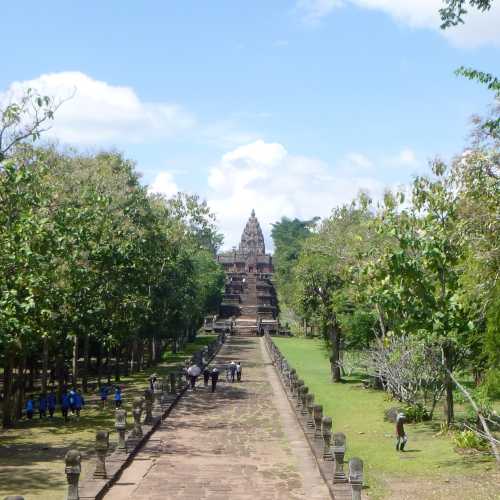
(30, 408)
(118, 397)
(103, 392)
(51, 403)
(65, 405)
(78, 403)
(42, 405)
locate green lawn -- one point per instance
(358, 412)
(32, 453)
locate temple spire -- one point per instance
(252, 239)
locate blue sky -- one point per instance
(289, 107)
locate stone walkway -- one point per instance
(242, 442)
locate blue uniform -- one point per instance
(42, 405)
(51, 403)
(30, 406)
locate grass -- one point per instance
(32, 453)
(359, 412)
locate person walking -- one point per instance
(401, 436)
(30, 408)
(118, 397)
(232, 369)
(238, 371)
(193, 372)
(214, 375)
(42, 405)
(78, 403)
(72, 393)
(65, 405)
(103, 393)
(51, 403)
(206, 376)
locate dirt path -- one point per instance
(240, 443)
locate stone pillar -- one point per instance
(73, 460)
(326, 431)
(338, 449)
(14, 497)
(300, 383)
(172, 382)
(157, 396)
(121, 427)
(356, 477)
(303, 397)
(101, 448)
(291, 375)
(137, 412)
(148, 398)
(317, 416)
(310, 405)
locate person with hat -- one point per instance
(401, 437)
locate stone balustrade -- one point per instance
(328, 447)
(154, 406)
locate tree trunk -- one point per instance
(20, 388)
(31, 377)
(7, 390)
(108, 370)
(45, 363)
(117, 364)
(86, 362)
(448, 385)
(60, 373)
(334, 334)
(126, 364)
(99, 364)
(74, 375)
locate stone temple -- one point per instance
(250, 298)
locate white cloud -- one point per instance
(164, 184)
(479, 28)
(265, 176)
(358, 161)
(100, 112)
(312, 11)
(406, 157)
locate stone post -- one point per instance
(172, 382)
(73, 460)
(157, 396)
(338, 449)
(326, 431)
(291, 375)
(300, 383)
(101, 448)
(148, 398)
(310, 405)
(303, 397)
(14, 497)
(356, 477)
(318, 416)
(121, 427)
(137, 412)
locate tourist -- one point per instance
(78, 403)
(72, 393)
(193, 372)
(30, 408)
(215, 376)
(103, 392)
(238, 371)
(401, 437)
(118, 397)
(232, 369)
(65, 405)
(206, 376)
(152, 381)
(42, 405)
(51, 403)
(228, 373)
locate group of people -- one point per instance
(46, 404)
(70, 401)
(104, 392)
(233, 373)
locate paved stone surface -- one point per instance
(240, 443)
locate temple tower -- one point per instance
(249, 298)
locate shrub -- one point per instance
(468, 439)
(416, 413)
